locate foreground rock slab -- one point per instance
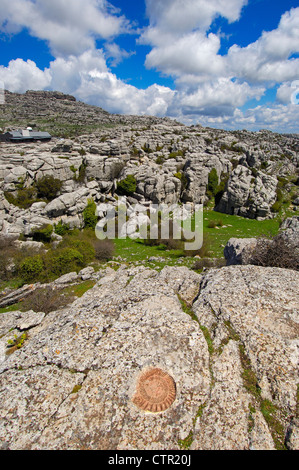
(73, 382)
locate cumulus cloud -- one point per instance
(88, 78)
(180, 16)
(217, 98)
(69, 27)
(210, 87)
(190, 54)
(178, 35)
(21, 76)
(189, 50)
(268, 59)
(115, 54)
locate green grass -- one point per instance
(11, 308)
(271, 415)
(234, 227)
(228, 226)
(79, 289)
(136, 251)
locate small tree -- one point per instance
(127, 186)
(212, 182)
(89, 214)
(48, 187)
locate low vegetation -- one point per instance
(44, 189)
(77, 250)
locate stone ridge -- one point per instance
(171, 163)
(71, 384)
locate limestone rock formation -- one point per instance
(228, 339)
(92, 150)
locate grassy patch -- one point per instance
(79, 289)
(221, 227)
(203, 328)
(218, 228)
(11, 308)
(270, 413)
(186, 443)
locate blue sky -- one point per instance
(229, 64)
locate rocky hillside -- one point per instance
(250, 174)
(157, 361)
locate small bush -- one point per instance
(84, 247)
(104, 249)
(45, 300)
(204, 251)
(64, 261)
(89, 214)
(61, 228)
(30, 268)
(127, 186)
(276, 206)
(172, 244)
(82, 173)
(212, 224)
(43, 234)
(7, 254)
(220, 190)
(212, 182)
(160, 160)
(24, 198)
(275, 252)
(48, 187)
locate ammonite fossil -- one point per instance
(155, 391)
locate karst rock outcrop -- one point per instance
(214, 354)
(92, 151)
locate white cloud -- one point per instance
(287, 92)
(115, 54)
(210, 88)
(218, 98)
(189, 54)
(70, 27)
(21, 76)
(278, 118)
(88, 78)
(180, 16)
(267, 59)
(185, 52)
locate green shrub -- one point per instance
(30, 268)
(24, 198)
(183, 178)
(276, 206)
(127, 186)
(48, 187)
(64, 261)
(160, 160)
(61, 228)
(43, 234)
(212, 182)
(84, 247)
(89, 214)
(82, 173)
(220, 190)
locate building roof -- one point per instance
(29, 135)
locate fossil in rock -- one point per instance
(155, 392)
